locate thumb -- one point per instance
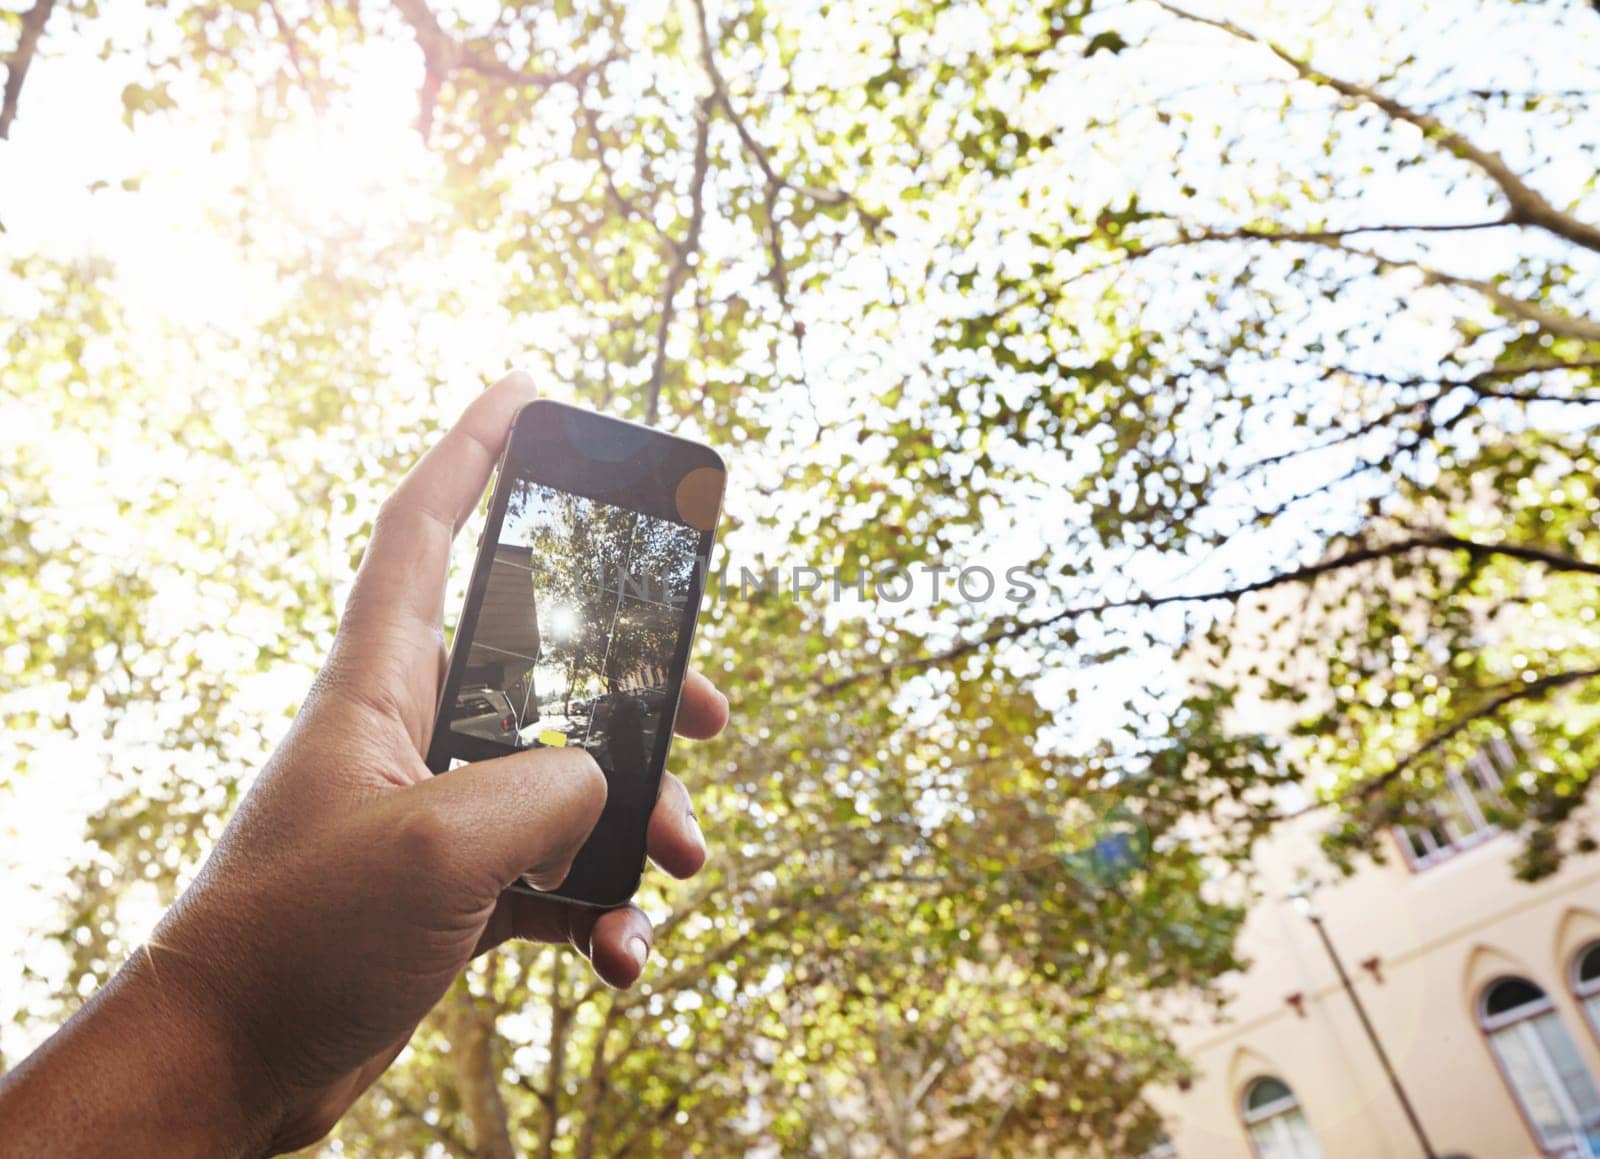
(526, 813)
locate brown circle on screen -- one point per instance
(699, 496)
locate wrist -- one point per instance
(148, 1066)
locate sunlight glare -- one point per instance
(563, 622)
(362, 163)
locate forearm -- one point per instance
(141, 1070)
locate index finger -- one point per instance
(409, 557)
(702, 708)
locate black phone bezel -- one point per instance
(612, 461)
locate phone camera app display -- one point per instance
(577, 629)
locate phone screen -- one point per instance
(579, 617)
(578, 628)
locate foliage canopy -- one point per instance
(1263, 345)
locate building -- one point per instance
(505, 641)
(1483, 991)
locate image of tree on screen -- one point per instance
(578, 627)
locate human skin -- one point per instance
(351, 887)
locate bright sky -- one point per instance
(364, 164)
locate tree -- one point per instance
(951, 285)
(1427, 515)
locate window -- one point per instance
(1275, 1123)
(1586, 983)
(1456, 819)
(1542, 1066)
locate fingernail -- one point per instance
(638, 950)
(699, 834)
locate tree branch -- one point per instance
(638, 1124)
(682, 252)
(628, 206)
(443, 54)
(20, 60)
(291, 45)
(1527, 553)
(1323, 237)
(1345, 436)
(1440, 388)
(473, 1039)
(452, 1142)
(1514, 95)
(561, 1018)
(596, 1082)
(1427, 541)
(1478, 382)
(758, 154)
(1554, 321)
(1526, 690)
(1527, 205)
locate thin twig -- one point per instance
(1435, 541)
(443, 54)
(19, 61)
(1477, 384)
(1527, 205)
(291, 46)
(682, 253)
(451, 1141)
(1556, 322)
(1526, 690)
(758, 153)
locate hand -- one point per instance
(352, 886)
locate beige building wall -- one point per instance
(1434, 938)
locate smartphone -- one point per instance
(580, 614)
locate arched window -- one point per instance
(1542, 1064)
(1586, 983)
(1277, 1127)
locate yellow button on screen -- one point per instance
(550, 738)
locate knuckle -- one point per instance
(409, 513)
(359, 678)
(393, 509)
